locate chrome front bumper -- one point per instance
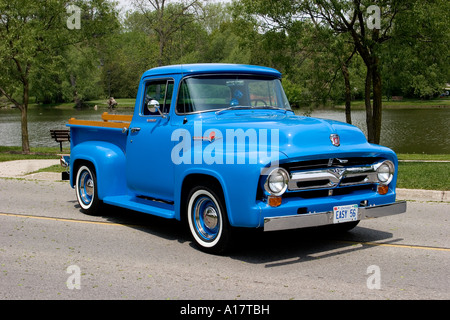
(325, 218)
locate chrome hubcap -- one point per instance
(210, 217)
(86, 187)
(206, 218)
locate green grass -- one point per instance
(15, 153)
(55, 168)
(424, 175)
(418, 156)
(101, 103)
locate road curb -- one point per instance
(423, 195)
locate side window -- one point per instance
(161, 91)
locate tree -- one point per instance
(355, 18)
(165, 18)
(350, 17)
(415, 60)
(33, 32)
(367, 39)
(331, 56)
(125, 55)
(25, 32)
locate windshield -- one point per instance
(213, 93)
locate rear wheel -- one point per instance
(207, 219)
(86, 190)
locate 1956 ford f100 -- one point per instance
(217, 146)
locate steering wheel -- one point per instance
(256, 102)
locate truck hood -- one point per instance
(298, 136)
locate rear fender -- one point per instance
(108, 161)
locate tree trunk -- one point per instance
(24, 119)
(24, 125)
(348, 94)
(377, 102)
(373, 111)
(23, 107)
(161, 52)
(76, 98)
(162, 46)
(369, 118)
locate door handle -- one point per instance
(133, 130)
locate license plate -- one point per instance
(345, 213)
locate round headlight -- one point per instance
(277, 182)
(385, 172)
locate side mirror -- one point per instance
(153, 106)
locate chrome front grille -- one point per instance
(337, 173)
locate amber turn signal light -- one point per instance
(274, 201)
(383, 189)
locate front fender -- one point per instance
(239, 182)
(109, 163)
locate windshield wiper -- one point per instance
(269, 107)
(234, 108)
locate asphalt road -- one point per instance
(50, 250)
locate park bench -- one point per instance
(60, 136)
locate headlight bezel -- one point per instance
(283, 177)
(386, 167)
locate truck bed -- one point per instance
(109, 129)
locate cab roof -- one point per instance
(211, 68)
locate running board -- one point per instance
(156, 208)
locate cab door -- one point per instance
(149, 165)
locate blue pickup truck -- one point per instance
(218, 147)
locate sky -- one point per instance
(125, 4)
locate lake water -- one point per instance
(404, 130)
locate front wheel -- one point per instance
(207, 220)
(86, 190)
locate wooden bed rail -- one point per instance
(109, 121)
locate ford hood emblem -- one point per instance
(335, 140)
